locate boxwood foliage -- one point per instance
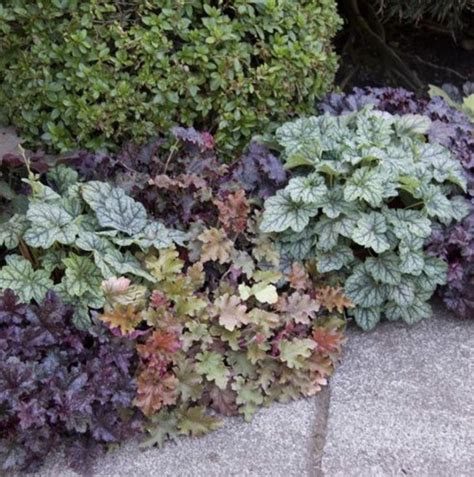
(366, 192)
(93, 73)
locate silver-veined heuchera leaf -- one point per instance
(408, 222)
(367, 318)
(281, 213)
(334, 259)
(50, 223)
(385, 268)
(412, 124)
(12, 231)
(114, 208)
(365, 184)
(363, 290)
(29, 284)
(309, 189)
(370, 232)
(411, 314)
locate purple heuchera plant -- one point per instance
(60, 386)
(452, 129)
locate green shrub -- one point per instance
(96, 72)
(364, 205)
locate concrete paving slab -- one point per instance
(402, 402)
(280, 441)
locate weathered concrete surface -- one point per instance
(280, 441)
(402, 402)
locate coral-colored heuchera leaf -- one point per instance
(328, 341)
(155, 390)
(233, 211)
(333, 298)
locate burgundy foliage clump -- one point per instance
(60, 386)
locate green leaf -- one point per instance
(385, 268)
(403, 293)
(125, 263)
(334, 259)
(194, 421)
(249, 396)
(50, 223)
(436, 270)
(308, 189)
(114, 208)
(365, 184)
(81, 276)
(408, 222)
(436, 204)
(411, 262)
(367, 318)
(411, 314)
(295, 353)
(328, 232)
(154, 234)
(334, 205)
(412, 124)
(53, 260)
(19, 276)
(62, 177)
(121, 212)
(163, 426)
(363, 290)
(281, 213)
(211, 365)
(370, 232)
(12, 231)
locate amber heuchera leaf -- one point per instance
(233, 211)
(298, 277)
(123, 317)
(231, 312)
(333, 298)
(216, 246)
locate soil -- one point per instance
(437, 58)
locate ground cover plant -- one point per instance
(208, 321)
(96, 74)
(365, 195)
(60, 386)
(452, 129)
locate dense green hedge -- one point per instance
(96, 72)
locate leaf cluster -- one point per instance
(367, 190)
(222, 329)
(72, 236)
(60, 386)
(452, 129)
(100, 73)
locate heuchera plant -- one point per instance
(60, 386)
(454, 130)
(219, 326)
(225, 331)
(214, 322)
(74, 235)
(366, 192)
